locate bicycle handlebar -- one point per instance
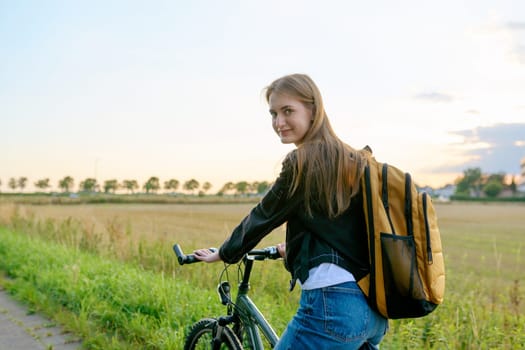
(265, 253)
(186, 259)
(257, 254)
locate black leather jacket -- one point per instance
(310, 240)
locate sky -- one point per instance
(173, 89)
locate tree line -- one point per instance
(152, 185)
(475, 183)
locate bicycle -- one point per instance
(239, 328)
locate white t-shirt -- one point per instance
(325, 275)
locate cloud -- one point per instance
(516, 25)
(472, 111)
(434, 97)
(517, 30)
(519, 54)
(496, 148)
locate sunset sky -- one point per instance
(133, 89)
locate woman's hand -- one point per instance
(281, 248)
(207, 255)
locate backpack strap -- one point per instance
(384, 195)
(408, 204)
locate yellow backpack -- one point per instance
(407, 271)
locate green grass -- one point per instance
(118, 290)
(111, 305)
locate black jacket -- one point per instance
(310, 240)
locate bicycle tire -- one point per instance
(202, 333)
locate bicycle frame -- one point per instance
(247, 320)
(251, 318)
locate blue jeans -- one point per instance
(335, 317)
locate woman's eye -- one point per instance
(287, 111)
(273, 114)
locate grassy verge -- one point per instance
(111, 305)
(119, 293)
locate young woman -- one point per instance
(317, 194)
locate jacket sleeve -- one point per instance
(271, 212)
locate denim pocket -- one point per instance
(346, 312)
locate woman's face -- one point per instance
(291, 119)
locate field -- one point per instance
(483, 246)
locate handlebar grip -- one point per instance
(186, 259)
(273, 253)
(265, 253)
(190, 259)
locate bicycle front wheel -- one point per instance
(202, 335)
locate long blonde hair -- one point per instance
(326, 169)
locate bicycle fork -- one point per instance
(222, 322)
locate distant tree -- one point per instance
(130, 185)
(152, 184)
(110, 186)
(493, 188)
(22, 181)
(471, 181)
(242, 187)
(42, 183)
(206, 186)
(89, 185)
(191, 185)
(12, 183)
(227, 187)
(513, 186)
(66, 183)
(262, 187)
(497, 177)
(171, 184)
